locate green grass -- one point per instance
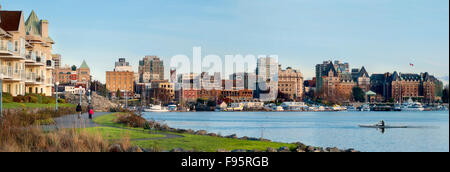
(116, 133)
(195, 142)
(34, 105)
(210, 144)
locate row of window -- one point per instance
(19, 89)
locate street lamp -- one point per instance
(126, 99)
(89, 96)
(56, 95)
(1, 96)
(81, 94)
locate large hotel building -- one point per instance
(121, 79)
(25, 54)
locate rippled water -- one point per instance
(325, 129)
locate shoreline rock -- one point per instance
(300, 146)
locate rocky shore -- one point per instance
(299, 148)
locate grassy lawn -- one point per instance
(209, 144)
(195, 142)
(34, 105)
(116, 133)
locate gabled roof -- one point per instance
(10, 20)
(84, 65)
(33, 25)
(427, 77)
(330, 66)
(363, 72)
(396, 77)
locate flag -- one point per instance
(410, 64)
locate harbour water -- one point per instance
(429, 131)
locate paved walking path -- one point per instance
(72, 121)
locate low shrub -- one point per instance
(7, 98)
(26, 117)
(61, 101)
(32, 98)
(132, 120)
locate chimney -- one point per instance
(44, 28)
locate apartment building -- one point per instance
(12, 52)
(25, 54)
(38, 62)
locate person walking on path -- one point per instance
(91, 111)
(79, 110)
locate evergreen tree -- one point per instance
(358, 94)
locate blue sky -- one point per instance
(382, 35)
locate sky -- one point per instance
(382, 35)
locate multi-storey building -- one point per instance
(122, 81)
(309, 86)
(338, 83)
(65, 75)
(399, 87)
(25, 54)
(57, 60)
(290, 83)
(248, 79)
(267, 79)
(84, 73)
(38, 63)
(160, 92)
(123, 66)
(151, 68)
(322, 70)
(12, 52)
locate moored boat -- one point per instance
(156, 108)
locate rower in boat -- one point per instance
(381, 123)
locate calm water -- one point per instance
(325, 129)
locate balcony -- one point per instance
(6, 71)
(11, 74)
(30, 58)
(31, 77)
(6, 47)
(40, 79)
(33, 60)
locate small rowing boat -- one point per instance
(381, 127)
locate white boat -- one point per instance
(279, 109)
(351, 108)
(412, 106)
(397, 107)
(365, 108)
(156, 108)
(338, 108)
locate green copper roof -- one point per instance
(371, 93)
(84, 65)
(33, 25)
